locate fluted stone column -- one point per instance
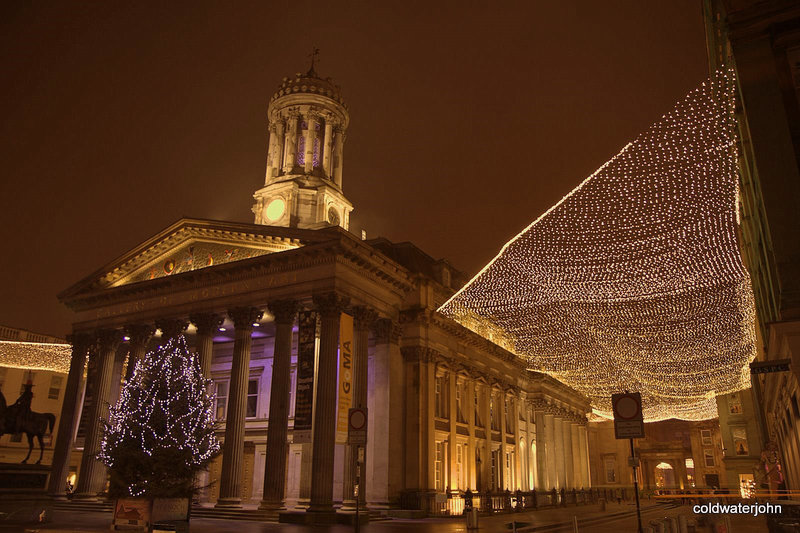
(338, 148)
(542, 449)
(329, 306)
(363, 319)
(290, 144)
(311, 135)
(569, 472)
(561, 471)
(284, 312)
(584, 449)
(207, 325)
(69, 415)
(326, 155)
(577, 470)
(92, 478)
(552, 462)
(140, 335)
(230, 485)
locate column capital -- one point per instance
(387, 331)
(171, 327)
(284, 311)
(364, 317)
(244, 317)
(139, 333)
(80, 341)
(108, 339)
(206, 323)
(330, 303)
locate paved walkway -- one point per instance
(618, 518)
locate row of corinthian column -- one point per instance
(282, 154)
(102, 347)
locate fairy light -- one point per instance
(163, 411)
(634, 279)
(35, 355)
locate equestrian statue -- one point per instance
(18, 418)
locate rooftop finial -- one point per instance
(313, 55)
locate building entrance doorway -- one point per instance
(665, 475)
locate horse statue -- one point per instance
(14, 419)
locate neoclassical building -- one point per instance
(264, 306)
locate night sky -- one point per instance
(468, 119)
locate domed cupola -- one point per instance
(303, 186)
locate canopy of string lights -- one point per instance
(634, 280)
(35, 355)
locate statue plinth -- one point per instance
(23, 493)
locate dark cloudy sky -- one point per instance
(468, 119)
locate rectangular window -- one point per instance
(441, 396)
(611, 469)
(478, 397)
(460, 466)
(439, 465)
(495, 478)
(709, 457)
(734, 404)
(740, 441)
(221, 401)
(55, 387)
(495, 420)
(461, 395)
(252, 398)
(690, 471)
(705, 436)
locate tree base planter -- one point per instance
(159, 514)
(23, 494)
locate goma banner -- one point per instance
(304, 394)
(345, 392)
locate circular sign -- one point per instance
(627, 407)
(358, 419)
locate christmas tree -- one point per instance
(161, 432)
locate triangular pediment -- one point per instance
(192, 244)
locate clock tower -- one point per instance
(303, 184)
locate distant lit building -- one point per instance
(43, 361)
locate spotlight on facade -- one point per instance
(126, 338)
(222, 329)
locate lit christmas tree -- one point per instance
(161, 432)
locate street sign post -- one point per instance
(629, 424)
(357, 426)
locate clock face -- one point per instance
(275, 209)
(333, 217)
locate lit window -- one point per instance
(690, 471)
(439, 464)
(252, 398)
(740, 441)
(709, 457)
(461, 394)
(734, 404)
(221, 401)
(55, 387)
(478, 396)
(441, 396)
(705, 436)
